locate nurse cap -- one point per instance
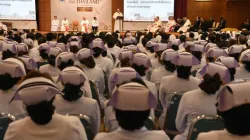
(12, 66)
(121, 76)
(151, 44)
(74, 43)
(62, 46)
(126, 53)
(175, 42)
(29, 62)
(235, 49)
(22, 47)
(36, 90)
(97, 43)
(245, 55)
(229, 62)
(52, 43)
(217, 67)
(7, 46)
(216, 52)
(141, 59)
(64, 57)
(185, 59)
(169, 54)
(54, 51)
(28, 42)
(72, 75)
(132, 97)
(233, 95)
(132, 48)
(43, 46)
(160, 47)
(198, 48)
(210, 45)
(84, 53)
(129, 40)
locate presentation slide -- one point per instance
(147, 10)
(18, 9)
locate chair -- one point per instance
(149, 124)
(95, 92)
(205, 123)
(86, 124)
(5, 120)
(170, 126)
(75, 25)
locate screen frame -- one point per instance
(36, 8)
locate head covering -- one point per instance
(43, 46)
(74, 37)
(160, 47)
(235, 49)
(132, 48)
(97, 43)
(72, 75)
(62, 46)
(43, 88)
(233, 95)
(229, 62)
(126, 53)
(141, 59)
(248, 42)
(185, 59)
(54, 51)
(245, 55)
(151, 44)
(155, 40)
(64, 57)
(216, 52)
(198, 48)
(12, 66)
(52, 43)
(210, 45)
(169, 54)
(74, 43)
(122, 75)
(132, 97)
(8, 46)
(176, 42)
(29, 62)
(172, 37)
(84, 53)
(29, 42)
(129, 40)
(217, 67)
(22, 47)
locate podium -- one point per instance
(120, 18)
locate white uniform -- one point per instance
(221, 135)
(192, 104)
(186, 26)
(170, 24)
(242, 73)
(115, 50)
(84, 106)
(155, 26)
(157, 74)
(51, 70)
(142, 134)
(55, 25)
(64, 25)
(14, 108)
(59, 128)
(105, 63)
(118, 22)
(85, 26)
(155, 63)
(95, 23)
(171, 84)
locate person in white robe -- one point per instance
(9, 85)
(85, 25)
(118, 22)
(156, 25)
(201, 101)
(186, 25)
(65, 24)
(95, 25)
(46, 123)
(73, 101)
(55, 24)
(243, 72)
(232, 104)
(181, 82)
(170, 25)
(132, 126)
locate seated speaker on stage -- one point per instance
(3, 27)
(95, 25)
(55, 24)
(170, 25)
(186, 25)
(85, 25)
(156, 26)
(65, 24)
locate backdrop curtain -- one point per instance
(180, 8)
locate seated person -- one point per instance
(210, 22)
(233, 107)
(203, 25)
(186, 25)
(196, 25)
(156, 26)
(170, 25)
(222, 24)
(178, 25)
(65, 24)
(246, 24)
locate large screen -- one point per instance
(147, 10)
(18, 9)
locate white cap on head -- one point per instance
(132, 97)
(84, 53)
(7, 46)
(235, 49)
(12, 66)
(160, 47)
(151, 44)
(97, 43)
(141, 59)
(198, 48)
(43, 46)
(185, 59)
(64, 57)
(54, 51)
(29, 42)
(72, 75)
(216, 52)
(22, 48)
(29, 62)
(133, 48)
(62, 46)
(245, 55)
(126, 54)
(229, 62)
(248, 42)
(233, 95)
(169, 54)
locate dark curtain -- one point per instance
(37, 14)
(180, 8)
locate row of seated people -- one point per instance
(157, 67)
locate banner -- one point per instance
(77, 9)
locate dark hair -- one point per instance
(50, 36)
(86, 40)
(89, 62)
(210, 59)
(17, 38)
(41, 40)
(232, 73)
(111, 41)
(64, 65)
(212, 38)
(236, 120)
(7, 54)
(169, 66)
(145, 41)
(140, 69)
(175, 47)
(203, 37)
(125, 62)
(242, 39)
(247, 65)
(150, 49)
(72, 92)
(74, 49)
(30, 36)
(183, 72)
(191, 35)
(98, 52)
(197, 54)
(52, 60)
(236, 56)
(7, 82)
(44, 54)
(1, 32)
(210, 84)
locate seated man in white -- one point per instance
(3, 27)
(170, 25)
(65, 24)
(85, 25)
(156, 26)
(95, 25)
(186, 26)
(55, 24)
